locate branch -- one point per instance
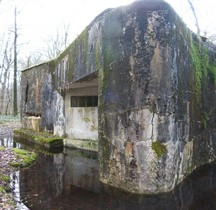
(195, 16)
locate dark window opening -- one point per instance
(84, 101)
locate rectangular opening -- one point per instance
(84, 101)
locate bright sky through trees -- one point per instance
(40, 18)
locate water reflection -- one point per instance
(82, 170)
(70, 180)
(8, 142)
(42, 181)
(15, 186)
(58, 182)
(55, 174)
(197, 192)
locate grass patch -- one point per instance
(24, 158)
(2, 148)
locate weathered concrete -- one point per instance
(32, 123)
(79, 119)
(155, 99)
(156, 87)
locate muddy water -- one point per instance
(70, 181)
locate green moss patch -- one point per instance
(4, 178)
(2, 148)
(4, 183)
(24, 158)
(212, 73)
(159, 149)
(43, 139)
(203, 68)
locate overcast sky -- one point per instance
(38, 19)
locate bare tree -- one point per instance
(6, 50)
(15, 106)
(195, 16)
(56, 43)
(31, 60)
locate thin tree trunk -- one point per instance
(15, 110)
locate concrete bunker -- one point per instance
(155, 81)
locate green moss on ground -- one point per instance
(5, 178)
(1, 189)
(2, 148)
(159, 149)
(4, 182)
(24, 158)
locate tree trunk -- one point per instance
(15, 109)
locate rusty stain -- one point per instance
(128, 151)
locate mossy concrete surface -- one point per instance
(159, 149)
(90, 145)
(41, 139)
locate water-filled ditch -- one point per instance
(70, 180)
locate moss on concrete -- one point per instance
(203, 68)
(159, 149)
(198, 74)
(84, 40)
(97, 55)
(212, 73)
(205, 119)
(87, 144)
(86, 119)
(43, 139)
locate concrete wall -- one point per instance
(32, 123)
(32, 87)
(81, 122)
(157, 99)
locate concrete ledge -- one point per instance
(42, 140)
(87, 144)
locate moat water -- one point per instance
(70, 181)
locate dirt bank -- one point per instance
(6, 156)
